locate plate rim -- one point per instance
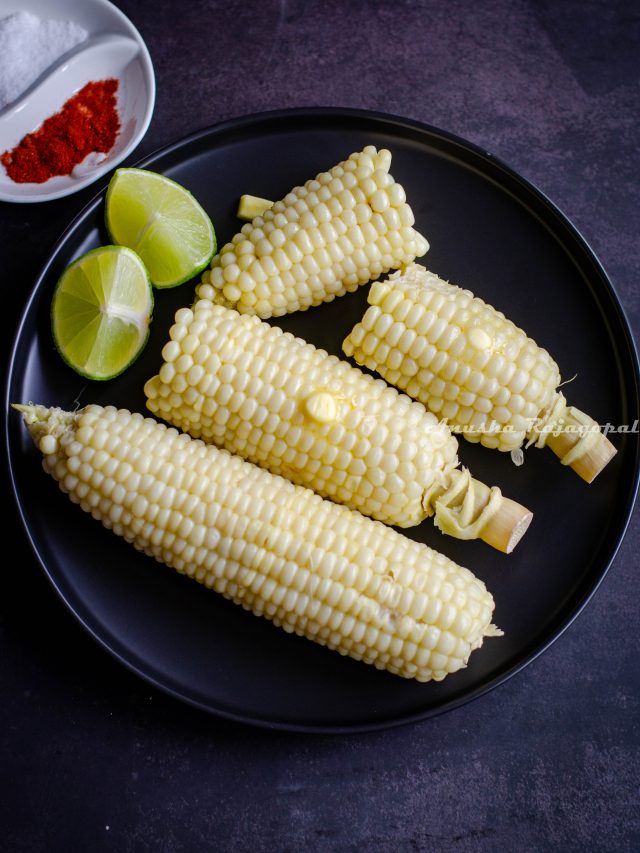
(567, 618)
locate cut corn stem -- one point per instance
(469, 509)
(472, 367)
(576, 440)
(275, 400)
(251, 206)
(311, 566)
(506, 528)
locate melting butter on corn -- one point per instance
(322, 407)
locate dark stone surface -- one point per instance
(91, 758)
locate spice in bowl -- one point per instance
(28, 46)
(88, 123)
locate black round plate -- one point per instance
(491, 232)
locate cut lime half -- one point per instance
(101, 312)
(162, 222)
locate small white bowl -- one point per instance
(114, 48)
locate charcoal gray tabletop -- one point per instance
(94, 759)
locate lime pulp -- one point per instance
(101, 312)
(162, 222)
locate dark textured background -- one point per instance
(93, 759)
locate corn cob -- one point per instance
(313, 567)
(338, 231)
(275, 400)
(471, 366)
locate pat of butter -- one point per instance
(479, 339)
(322, 407)
(251, 206)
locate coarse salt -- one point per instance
(28, 46)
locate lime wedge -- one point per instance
(101, 312)
(162, 222)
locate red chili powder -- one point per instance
(87, 122)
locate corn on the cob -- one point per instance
(275, 400)
(311, 566)
(338, 231)
(471, 366)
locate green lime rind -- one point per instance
(161, 221)
(101, 312)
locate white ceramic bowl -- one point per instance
(114, 48)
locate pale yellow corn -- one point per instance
(338, 231)
(313, 567)
(275, 400)
(459, 356)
